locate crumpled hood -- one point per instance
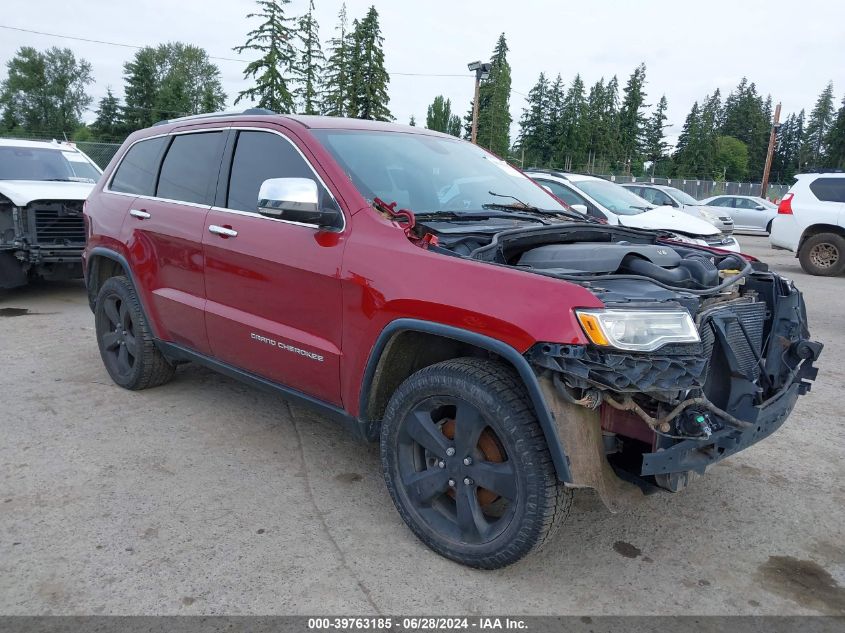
(669, 219)
(22, 192)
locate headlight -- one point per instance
(638, 330)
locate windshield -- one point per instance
(37, 163)
(613, 197)
(428, 174)
(681, 196)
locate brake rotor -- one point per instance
(490, 449)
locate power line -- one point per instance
(225, 59)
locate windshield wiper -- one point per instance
(452, 216)
(520, 206)
(59, 180)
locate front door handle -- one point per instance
(222, 230)
(139, 213)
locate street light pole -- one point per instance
(482, 71)
(770, 153)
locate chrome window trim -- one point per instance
(107, 187)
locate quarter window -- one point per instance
(260, 156)
(136, 173)
(190, 168)
(829, 189)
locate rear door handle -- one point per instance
(139, 213)
(222, 230)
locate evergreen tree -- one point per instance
(595, 132)
(273, 70)
(369, 78)
(632, 120)
(494, 117)
(835, 141)
(655, 146)
(745, 119)
(168, 81)
(109, 123)
(821, 120)
(553, 120)
(310, 64)
(336, 96)
(534, 138)
(573, 129)
(142, 78)
(412, 122)
(786, 161)
(687, 158)
(45, 92)
(439, 117)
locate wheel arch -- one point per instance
(815, 229)
(407, 345)
(104, 263)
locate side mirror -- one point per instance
(296, 200)
(580, 208)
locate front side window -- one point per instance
(260, 156)
(190, 168)
(682, 196)
(829, 189)
(39, 163)
(136, 173)
(720, 202)
(745, 203)
(613, 197)
(564, 193)
(430, 174)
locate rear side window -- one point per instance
(829, 189)
(137, 171)
(190, 168)
(720, 202)
(260, 156)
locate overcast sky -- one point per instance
(789, 48)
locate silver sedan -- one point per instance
(750, 213)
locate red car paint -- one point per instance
(279, 295)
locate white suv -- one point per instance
(811, 223)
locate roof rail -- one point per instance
(208, 115)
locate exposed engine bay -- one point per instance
(698, 354)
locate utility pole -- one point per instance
(770, 153)
(482, 71)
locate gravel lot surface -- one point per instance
(207, 497)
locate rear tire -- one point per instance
(823, 254)
(467, 465)
(126, 343)
(769, 227)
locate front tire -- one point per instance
(823, 254)
(124, 338)
(467, 465)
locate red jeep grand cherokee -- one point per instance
(501, 347)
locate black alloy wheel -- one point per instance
(124, 338)
(467, 465)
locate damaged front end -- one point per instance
(697, 355)
(43, 239)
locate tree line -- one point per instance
(603, 128)
(599, 131)
(45, 92)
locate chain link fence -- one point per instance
(700, 189)
(100, 153)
